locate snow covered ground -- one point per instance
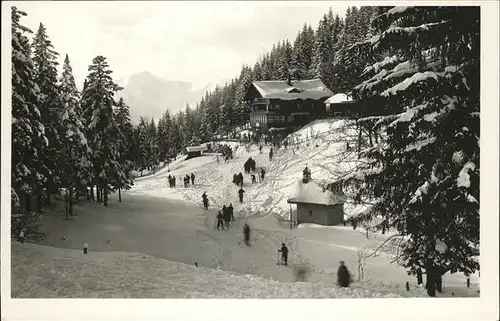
(56, 273)
(171, 231)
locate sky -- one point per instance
(198, 42)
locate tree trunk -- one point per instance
(119, 194)
(39, 203)
(419, 276)
(90, 194)
(105, 192)
(359, 142)
(48, 198)
(430, 283)
(66, 203)
(439, 283)
(71, 201)
(28, 202)
(98, 193)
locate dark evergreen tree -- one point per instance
(74, 156)
(45, 60)
(28, 133)
(322, 52)
(423, 176)
(123, 179)
(285, 61)
(98, 102)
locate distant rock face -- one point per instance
(150, 96)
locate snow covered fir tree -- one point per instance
(423, 176)
(219, 194)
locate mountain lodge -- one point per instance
(286, 105)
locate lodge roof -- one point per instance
(313, 89)
(314, 192)
(338, 99)
(196, 148)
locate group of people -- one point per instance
(187, 180)
(238, 179)
(249, 165)
(225, 215)
(171, 181)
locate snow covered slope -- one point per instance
(321, 145)
(65, 273)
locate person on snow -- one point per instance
(240, 193)
(252, 165)
(246, 234)
(284, 253)
(306, 173)
(231, 211)
(192, 179)
(260, 149)
(205, 200)
(220, 221)
(241, 179)
(271, 154)
(253, 179)
(262, 173)
(226, 215)
(343, 276)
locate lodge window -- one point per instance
(282, 118)
(290, 118)
(298, 106)
(310, 213)
(277, 106)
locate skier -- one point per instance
(253, 179)
(262, 173)
(343, 276)
(260, 149)
(231, 211)
(271, 154)
(205, 200)
(220, 221)
(241, 179)
(192, 179)
(246, 234)
(240, 193)
(284, 253)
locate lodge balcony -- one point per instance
(264, 121)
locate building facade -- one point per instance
(286, 104)
(316, 204)
(320, 214)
